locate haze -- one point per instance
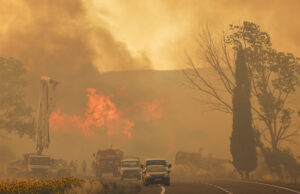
(129, 55)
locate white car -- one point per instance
(130, 168)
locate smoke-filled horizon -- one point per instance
(101, 51)
(67, 37)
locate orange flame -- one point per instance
(152, 110)
(102, 114)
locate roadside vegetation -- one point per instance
(58, 185)
(69, 185)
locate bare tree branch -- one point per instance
(270, 73)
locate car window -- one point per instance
(130, 163)
(156, 162)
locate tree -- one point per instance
(242, 145)
(283, 163)
(15, 115)
(274, 76)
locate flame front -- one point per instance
(101, 115)
(152, 110)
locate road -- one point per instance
(219, 187)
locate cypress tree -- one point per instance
(242, 145)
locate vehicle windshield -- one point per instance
(156, 162)
(156, 169)
(130, 164)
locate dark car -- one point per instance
(155, 161)
(156, 174)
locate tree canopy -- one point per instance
(274, 78)
(15, 115)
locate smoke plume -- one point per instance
(61, 38)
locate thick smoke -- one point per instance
(166, 28)
(278, 18)
(69, 36)
(53, 38)
(70, 39)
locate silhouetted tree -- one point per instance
(242, 145)
(274, 76)
(282, 163)
(15, 115)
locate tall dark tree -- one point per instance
(242, 147)
(15, 115)
(275, 76)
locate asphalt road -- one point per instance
(219, 187)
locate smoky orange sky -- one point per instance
(69, 39)
(54, 36)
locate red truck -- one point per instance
(107, 161)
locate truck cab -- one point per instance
(108, 161)
(130, 168)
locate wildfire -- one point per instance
(152, 110)
(101, 114)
